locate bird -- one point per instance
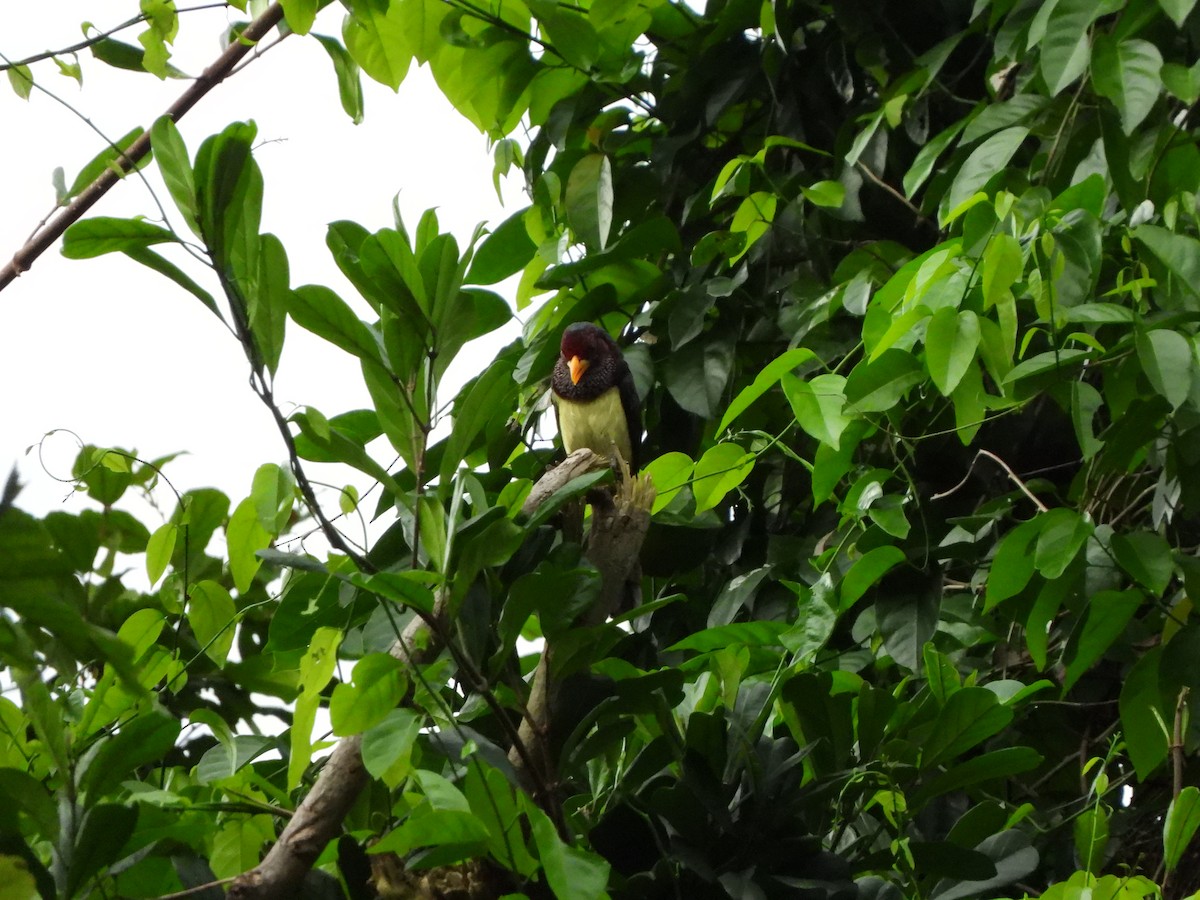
(594, 396)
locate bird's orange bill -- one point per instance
(578, 367)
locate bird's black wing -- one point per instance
(633, 413)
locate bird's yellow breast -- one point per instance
(597, 424)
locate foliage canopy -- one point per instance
(915, 291)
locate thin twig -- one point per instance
(1013, 477)
(24, 258)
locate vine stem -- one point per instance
(45, 237)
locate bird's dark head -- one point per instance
(585, 345)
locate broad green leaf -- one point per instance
(105, 159)
(213, 618)
(996, 764)
(748, 634)
(170, 153)
(377, 685)
(1003, 266)
(721, 469)
(818, 405)
(970, 716)
(1178, 10)
(1090, 831)
(825, 193)
(1146, 556)
(866, 572)
(670, 473)
(1086, 402)
(1063, 533)
(102, 234)
(990, 157)
(103, 832)
(274, 493)
(20, 78)
(1178, 252)
(1064, 49)
(1182, 82)
(764, 381)
(406, 588)
(1166, 358)
(927, 157)
(163, 266)
(878, 384)
(324, 313)
(753, 219)
(299, 14)
(570, 871)
(1127, 73)
(350, 90)
(1108, 613)
(387, 747)
(1144, 714)
(377, 37)
(589, 200)
(1183, 818)
(504, 252)
(144, 740)
(951, 339)
(244, 537)
(159, 549)
(907, 619)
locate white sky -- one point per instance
(117, 353)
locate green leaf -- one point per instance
(1064, 49)
(324, 313)
(377, 37)
(570, 872)
(244, 537)
(1063, 534)
(105, 159)
(1178, 10)
(719, 470)
(102, 234)
(1090, 831)
(831, 194)
(504, 252)
(299, 14)
(1144, 713)
(747, 634)
(212, 615)
(866, 572)
(142, 741)
(1108, 613)
(163, 266)
(669, 474)
(1182, 82)
(589, 200)
(764, 381)
(105, 829)
(377, 685)
(818, 405)
(406, 588)
(989, 158)
(1183, 818)
(21, 80)
(274, 493)
(1147, 557)
(1127, 73)
(350, 90)
(970, 716)
(1166, 358)
(1178, 252)
(697, 375)
(387, 746)
(877, 385)
(907, 619)
(951, 339)
(171, 156)
(1003, 266)
(159, 549)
